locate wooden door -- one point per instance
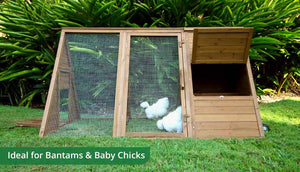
(151, 70)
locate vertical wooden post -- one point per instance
(188, 83)
(182, 78)
(121, 106)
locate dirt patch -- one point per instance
(276, 97)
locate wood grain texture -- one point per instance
(227, 133)
(222, 42)
(224, 109)
(220, 103)
(119, 121)
(231, 125)
(188, 82)
(225, 117)
(222, 98)
(221, 45)
(182, 83)
(51, 113)
(253, 91)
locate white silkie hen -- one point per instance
(172, 122)
(158, 109)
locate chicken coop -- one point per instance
(158, 82)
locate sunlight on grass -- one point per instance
(278, 151)
(276, 113)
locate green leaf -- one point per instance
(15, 47)
(68, 23)
(266, 53)
(160, 76)
(19, 34)
(251, 13)
(83, 50)
(103, 8)
(20, 74)
(28, 98)
(100, 87)
(266, 40)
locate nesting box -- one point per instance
(115, 81)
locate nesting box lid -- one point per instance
(221, 45)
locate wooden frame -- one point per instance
(187, 51)
(224, 116)
(175, 33)
(221, 45)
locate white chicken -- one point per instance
(158, 109)
(172, 122)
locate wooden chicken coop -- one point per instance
(102, 75)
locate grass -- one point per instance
(278, 151)
(86, 127)
(91, 125)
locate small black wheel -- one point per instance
(266, 128)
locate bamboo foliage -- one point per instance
(28, 42)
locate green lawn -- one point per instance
(278, 151)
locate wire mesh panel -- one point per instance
(154, 85)
(64, 110)
(91, 66)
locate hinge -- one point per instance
(180, 43)
(185, 117)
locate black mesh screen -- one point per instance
(153, 76)
(94, 60)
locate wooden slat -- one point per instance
(187, 55)
(222, 29)
(206, 57)
(225, 125)
(119, 121)
(182, 83)
(227, 133)
(221, 45)
(153, 135)
(224, 109)
(218, 62)
(221, 41)
(209, 103)
(153, 33)
(125, 91)
(224, 117)
(118, 29)
(142, 31)
(225, 34)
(204, 49)
(30, 123)
(224, 98)
(253, 91)
(219, 94)
(189, 46)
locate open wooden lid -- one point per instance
(221, 45)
